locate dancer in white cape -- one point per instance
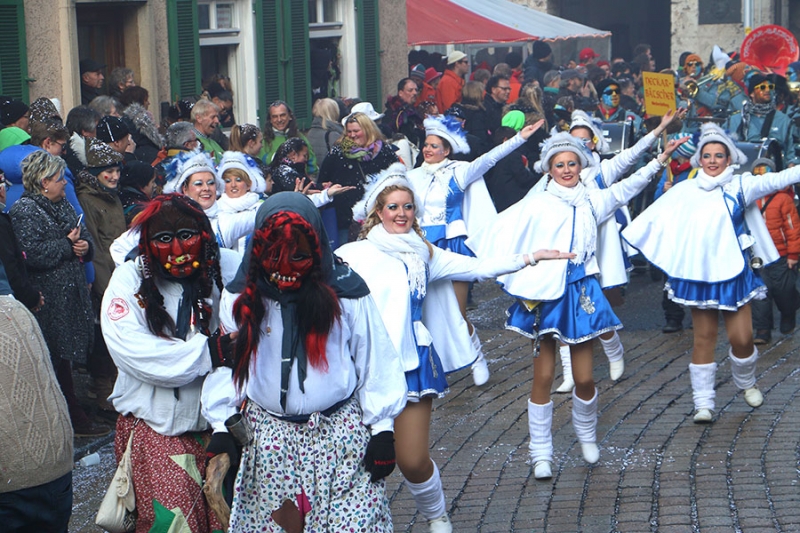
(612, 259)
(563, 300)
(400, 266)
(708, 236)
(453, 201)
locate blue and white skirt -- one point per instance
(428, 379)
(436, 236)
(581, 314)
(724, 295)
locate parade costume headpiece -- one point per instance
(184, 165)
(394, 175)
(711, 133)
(581, 120)
(243, 162)
(561, 142)
(449, 129)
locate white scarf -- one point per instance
(237, 205)
(708, 183)
(584, 234)
(408, 248)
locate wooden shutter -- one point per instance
(269, 35)
(184, 48)
(369, 52)
(13, 50)
(298, 82)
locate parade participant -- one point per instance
(714, 271)
(561, 300)
(692, 66)
(759, 119)
(400, 266)
(718, 93)
(609, 110)
(244, 186)
(321, 378)
(454, 200)
(611, 257)
(158, 315)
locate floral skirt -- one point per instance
(314, 469)
(428, 379)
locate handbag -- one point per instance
(117, 510)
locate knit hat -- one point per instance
(100, 156)
(541, 50)
(514, 119)
(246, 163)
(184, 165)
(755, 79)
(688, 148)
(456, 110)
(418, 71)
(367, 109)
(691, 57)
(454, 56)
(11, 111)
(711, 133)
(432, 74)
(571, 73)
(449, 129)
(560, 142)
(581, 120)
(43, 109)
(13, 136)
(587, 54)
(394, 175)
(111, 129)
(136, 174)
(90, 65)
(763, 161)
(603, 84)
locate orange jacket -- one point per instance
(516, 86)
(783, 223)
(449, 90)
(426, 93)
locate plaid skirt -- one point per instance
(313, 469)
(168, 477)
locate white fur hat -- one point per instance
(394, 175)
(581, 120)
(561, 142)
(184, 165)
(232, 159)
(449, 129)
(712, 133)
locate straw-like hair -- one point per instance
(38, 166)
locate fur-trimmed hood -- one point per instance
(144, 123)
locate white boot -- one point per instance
(429, 499)
(584, 420)
(744, 377)
(615, 354)
(566, 362)
(540, 421)
(703, 378)
(480, 370)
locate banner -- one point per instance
(659, 93)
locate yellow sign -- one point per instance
(659, 93)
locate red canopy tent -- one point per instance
(442, 22)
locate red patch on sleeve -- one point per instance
(117, 309)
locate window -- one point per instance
(324, 12)
(215, 17)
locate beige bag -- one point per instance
(116, 511)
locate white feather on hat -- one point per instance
(712, 133)
(581, 120)
(449, 129)
(394, 175)
(232, 159)
(561, 142)
(184, 165)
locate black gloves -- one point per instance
(221, 349)
(379, 459)
(222, 442)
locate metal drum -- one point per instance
(619, 136)
(769, 148)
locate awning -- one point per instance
(433, 22)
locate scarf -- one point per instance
(762, 110)
(237, 205)
(351, 150)
(676, 167)
(584, 232)
(708, 183)
(408, 248)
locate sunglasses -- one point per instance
(765, 87)
(611, 91)
(694, 63)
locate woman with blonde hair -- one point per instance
(399, 265)
(325, 127)
(360, 152)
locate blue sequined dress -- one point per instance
(428, 379)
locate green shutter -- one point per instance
(369, 52)
(184, 48)
(298, 82)
(268, 55)
(13, 50)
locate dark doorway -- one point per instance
(631, 22)
(101, 33)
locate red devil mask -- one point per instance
(175, 243)
(288, 249)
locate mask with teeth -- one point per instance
(291, 250)
(175, 243)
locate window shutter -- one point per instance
(184, 48)
(269, 55)
(13, 50)
(369, 52)
(298, 82)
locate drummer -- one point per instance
(760, 119)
